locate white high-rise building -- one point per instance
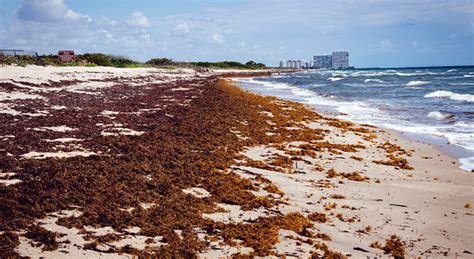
(340, 59)
(323, 61)
(299, 63)
(282, 64)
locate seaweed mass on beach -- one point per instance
(100, 162)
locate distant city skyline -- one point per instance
(336, 60)
(376, 33)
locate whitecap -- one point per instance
(452, 70)
(417, 83)
(373, 80)
(470, 75)
(439, 115)
(334, 79)
(451, 95)
(415, 74)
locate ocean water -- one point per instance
(431, 102)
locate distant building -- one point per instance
(323, 61)
(340, 59)
(293, 63)
(66, 55)
(296, 63)
(299, 63)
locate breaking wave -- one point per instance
(333, 79)
(439, 115)
(451, 95)
(373, 80)
(417, 83)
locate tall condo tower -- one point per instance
(323, 61)
(340, 59)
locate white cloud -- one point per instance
(42, 10)
(217, 38)
(139, 20)
(182, 28)
(70, 14)
(47, 11)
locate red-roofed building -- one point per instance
(66, 55)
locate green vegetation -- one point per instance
(161, 62)
(21, 60)
(166, 62)
(230, 65)
(99, 59)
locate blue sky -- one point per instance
(376, 33)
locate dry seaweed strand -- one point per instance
(193, 147)
(393, 246)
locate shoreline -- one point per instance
(185, 163)
(426, 151)
(441, 142)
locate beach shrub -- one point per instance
(255, 65)
(120, 61)
(98, 59)
(160, 62)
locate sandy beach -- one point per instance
(108, 162)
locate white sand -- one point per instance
(425, 207)
(64, 140)
(77, 241)
(197, 192)
(121, 131)
(58, 154)
(14, 95)
(61, 128)
(8, 182)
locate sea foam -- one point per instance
(373, 80)
(417, 83)
(439, 115)
(451, 95)
(335, 78)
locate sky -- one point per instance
(390, 33)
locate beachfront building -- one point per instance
(299, 64)
(340, 59)
(322, 61)
(295, 63)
